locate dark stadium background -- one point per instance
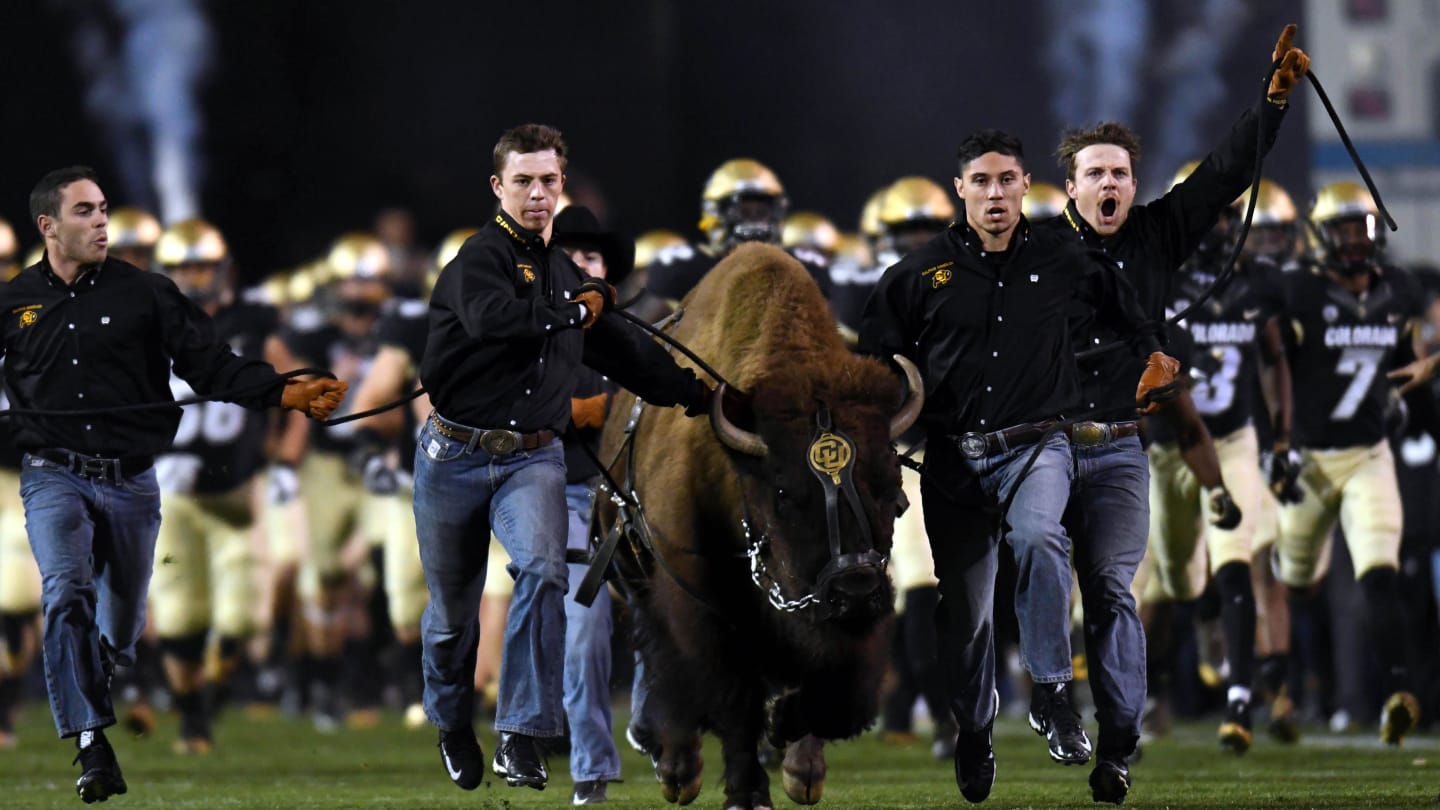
(319, 113)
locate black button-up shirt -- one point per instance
(505, 340)
(109, 340)
(1155, 241)
(989, 332)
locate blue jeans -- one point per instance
(94, 543)
(461, 494)
(964, 539)
(593, 755)
(1109, 518)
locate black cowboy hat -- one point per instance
(577, 226)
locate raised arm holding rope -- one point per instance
(84, 331)
(1109, 511)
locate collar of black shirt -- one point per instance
(1074, 220)
(971, 240)
(55, 281)
(517, 231)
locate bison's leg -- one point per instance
(747, 785)
(804, 769)
(679, 766)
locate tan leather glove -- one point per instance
(1293, 64)
(1157, 383)
(594, 304)
(316, 399)
(588, 412)
(596, 294)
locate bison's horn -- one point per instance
(910, 411)
(733, 437)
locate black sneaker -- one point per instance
(589, 792)
(100, 776)
(1235, 732)
(518, 760)
(975, 764)
(463, 759)
(1053, 717)
(1110, 781)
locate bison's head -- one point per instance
(820, 482)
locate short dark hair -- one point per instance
(988, 140)
(1108, 132)
(528, 138)
(45, 197)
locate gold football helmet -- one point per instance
(853, 247)
(743, 201)
(1346, 227)
(359, 255)
(649, 245)
(192, 241)
(912, 211)
(194, 254)
(915, 199)
(1272, 229)
(446, 253)
(9, 252)
(132, 228)
(1044, 201)
(35, 255)
(870, 215)
(807, 229)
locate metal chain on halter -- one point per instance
(759, 574)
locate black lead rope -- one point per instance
(232, 394)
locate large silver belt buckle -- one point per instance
(973, 445)
(1090, 434)
(500, 442)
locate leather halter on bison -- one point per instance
(762, 601)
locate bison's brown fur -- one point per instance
(761, 322)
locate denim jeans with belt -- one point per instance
(593, 755)
(462, 492)
(94, 543)
(1109, 519)
(964, 539)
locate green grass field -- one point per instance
(280, 763)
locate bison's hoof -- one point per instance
(677, 791)
(804, 770)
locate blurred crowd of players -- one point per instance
(287, 575)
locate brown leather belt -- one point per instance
(980, 445)
(104, 469)
(495, 442)
(1094, 434)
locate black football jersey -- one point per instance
(320, 344)
(1340, 346)
(218, 446)
(1225, 331)
(677, 269)
(405, 324)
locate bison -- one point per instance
(758, 579)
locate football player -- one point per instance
(1351, 318)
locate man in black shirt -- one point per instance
(506, 320)
(83, 331)
(1109, 515)
(981, 309)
